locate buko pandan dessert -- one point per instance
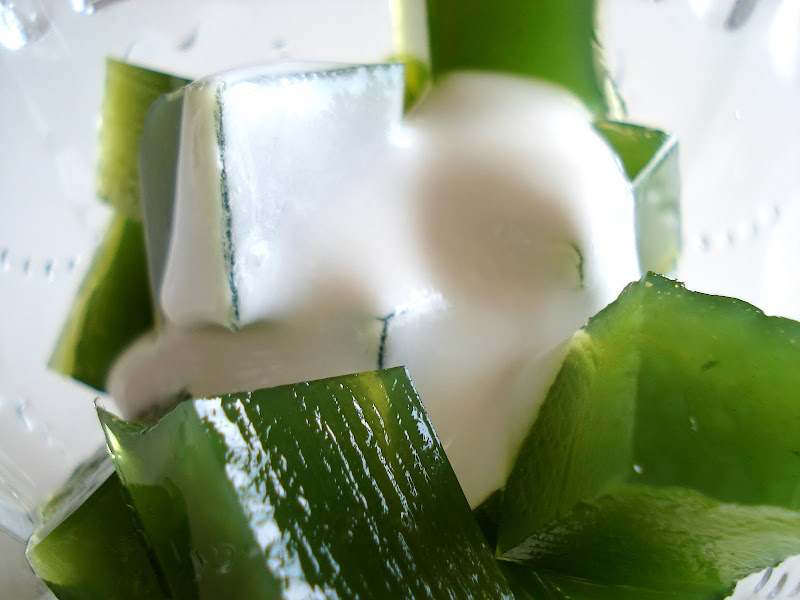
(466, 243)
(300, 228)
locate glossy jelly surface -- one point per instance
(337, 488)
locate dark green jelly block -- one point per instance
(550, 40)
(669, 441)
(651, 160)
(129, 92)
(90, 545)
(113, 306)
(337, 488)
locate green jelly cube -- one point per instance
(549, 40)
(333, 488)
(90, 545)
(129, 92)
(112, 308)
(667, 453)
(114, 304)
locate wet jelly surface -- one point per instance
(334, 488)
(672, 431)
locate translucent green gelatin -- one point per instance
(113, 306)
(537, 38)
(129, 92)
(337, 488)
(651, 161)
(90, 546)
(667, 453)
(417, 78)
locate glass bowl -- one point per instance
(723, 75)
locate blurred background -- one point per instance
(723, 75)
